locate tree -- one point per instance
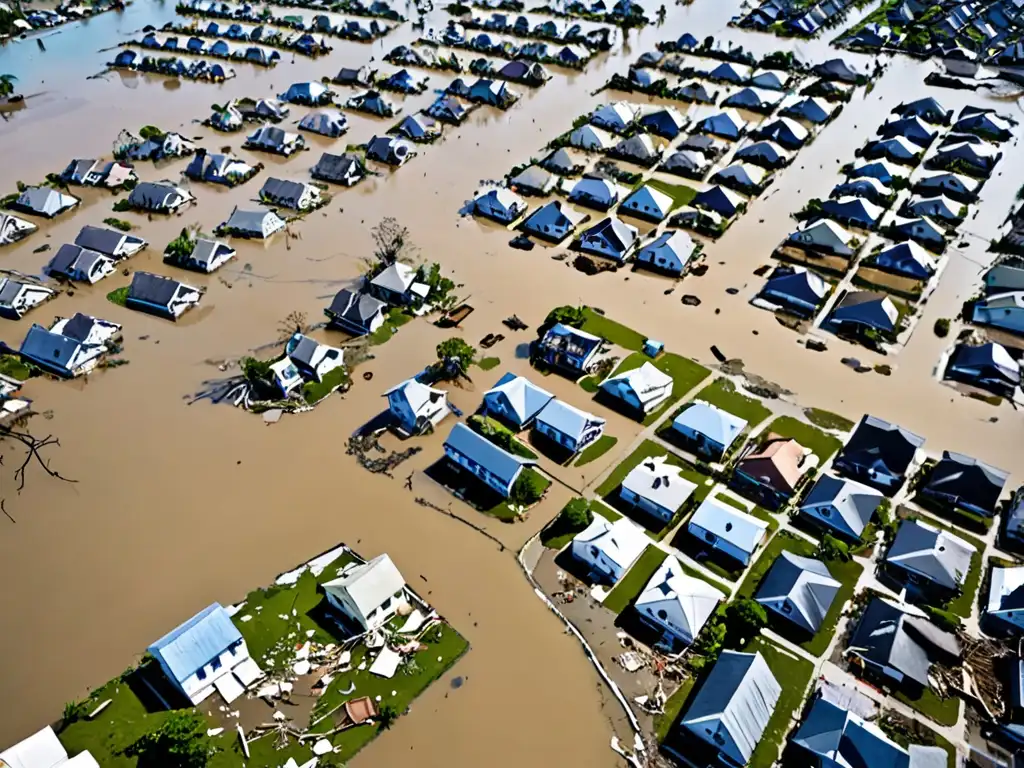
(577, 514)
(391, 240)
(745, 618)
(454, 357)
(179, 742)
(832, 548)
(7, 84)
(526, 490)
(711, 639)
(567, 315)
(440, 286)
(387, 716)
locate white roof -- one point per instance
(1005, 581)
(398, 277)
(738, 528)
(658, 481)
(696, 599)
(647, 381)
(710, 421)
(417, 394)
(368, 585)
(40, 750)
(621, 541)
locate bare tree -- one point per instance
(34, 455)
(392, 241)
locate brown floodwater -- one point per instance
(180, 504)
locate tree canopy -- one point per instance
(179, 742)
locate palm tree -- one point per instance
(7, 84)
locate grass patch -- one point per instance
(730, 501)
(315, 391)
(590, 385)
(763, 514)
(616, 333)
(673, 706)
(15, 367)
(723, 394)
(502, 511)
(596, 450)
(500, 435)
(793, 674)
(489, 363)
(961, 604)
(685, 373)
(680, 193)
(635, 579)
(942, 711)
(120, 224)
(119, 296)
(395, 319)
(828, 420)
(822, 445)
(560, 531)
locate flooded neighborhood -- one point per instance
(589, 382)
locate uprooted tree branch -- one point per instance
(34, 456)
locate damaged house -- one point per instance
(72, 346)
(161, 296)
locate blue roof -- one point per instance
(712, 422)
(840, 737)
(565, 418)
(49, 348)
(197, 642)
(523, 396)
(495, 460)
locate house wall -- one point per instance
(1005, 278)
(1012, 319)
(625, 393)
(718, 543)
(374, 618)
(481, 472)
(701, 443)
(597, 560)
(401, 410)
(670, 628)
(767, 495)
(1013, 620)
(564, 440)
(792, 302)
(646, 505)
(497, 404)
(601, 247)
(663, 259)
(199, 685)
(824, 517)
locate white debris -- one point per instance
(279, 716)
(303, 652)
(301, 668)
(322, 747)
(214, 731)
(245, 618)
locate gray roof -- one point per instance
(65, 259)
(206, 250)
(931, 552)
(968, 479)
(734, 705)
(800, 588)
(337, 166)
(355, 307)
(101, 240)
(500, 463)
(247, 221)
(850, 504)
(283, 191)
(153, 289)
(841, 738)
(304, 350)
(9, 290)
(878, 442)
(43, 345)
(79, 327)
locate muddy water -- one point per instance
(176, 505)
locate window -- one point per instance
(662, 615)
(785, 607)
(709, 537)
(825, 512)
(201, 674)
(594, 552)
(215, 664)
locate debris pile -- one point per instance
(360, 446)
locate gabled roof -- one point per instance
(198, 641)
(742, 174)
(844, 740)
(358, 308)
(647, 381)
(851, 505)
(804, 585)
(660, 482)
(397, 277)
(1006, 592)
(855, 209)
(621, 542)
(889, 636)
(798, 283)
(777, 463)
(968, 479)
(718, 199)
(868, 308)
(878, 441)
(990, 358)
(369, 584)
(500, 463)
(735, 704)
(730, 524)
(153, 289)
(417, 394)
(567, 419)
(710, 421)
(931, 552)
(524, 397)
(619, 236)
(650, 200)
(907, 257)
(695, 598)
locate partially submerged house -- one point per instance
(533, 180)
(397, 285)
(1005, 606)
(907, 259)
(346, 169)
(13, 228)
(611, 238)
(796, 289)
(494, 467)
(207, 256)
(609, 549)
(390, 150)
(256, 223)
(648, 202)
(669, 253)
(727, 124)
(799, 591)
(416, 407)
(159, 197)
(656, 487)
(73, 262)
(964, 483)
(71, 346)
(810, 108)
(305, 361)
(206, 654)
(676, 604)
(639, 149)
(369, 594)
(553, 222)
(295, 195)
(270, 138)
(989, 366)
(920, 229)
(571, 428)
(840, 507)
(567, 348)
(110, 242)
(326, 122)
(358, 313)
(617, 117)
(161, 296)
(744, 178)
(726, 529)
(18, 297)
(643, 390)
(708, 430)
(420, 127)
(688, 163)
(44, 201)
(1001, 310)
(854, 211)
(772, 471)
(719, 200)
(311, 94)
(859, 312)
(961, 188)
(592, 138)
(372, 103)
(595, 192)
(666, 122)
(930, 559)
(515, 400)
(217, 168)
(784, 131)
(897, 149)
(766, 154)
(98, 173)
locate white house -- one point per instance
(304, 360)
(643, 389)
(205, 654)
(676, 604)
(824, 235)
(43, 750)
(647, 203)
(1006, 598)
(615, 117)
(18, 297)
(1003, 310)
(656, 487)
(415, 406)
(71, 347)
(710, 430)
(501, 205)
(568, 426)
(609, 549)
(370, 593)
(592, 138)
(727, 529)
(670, 252)
(516, 400)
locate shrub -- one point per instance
(577, 514)
(745, 618)
(832, 548)
(255, 371)
(567, 315)
(120, 224)
(179, 742)
(527, 490)
(942, 327)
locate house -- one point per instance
(358, 313)
(843, 508)
(80, 264)
(253, 223)
(748, 179)
(727, 124)
(568, 426)
(311, 94)
(326, 122)
(642, 389)
(675, 604)
(796, 289)
(988, 365)
(568, 348)
(13, 229)
(1006, 598)
(964, 483)
(18, 297)
(416, 407)
(984, 123)
(295, 195)
(669, 253)
(784, 131)
(881, 170)
(270, 138)
(854, 211)
(688, 163)
(304, 360)
(812, 109)
(496, 468)
(837, 69)
(718, 199)
(554, 221)
(110, 242)
(798, 590)
(594, 192)
(372, 103)
(753, 99)
(733, 707)
(710, 430)
(44, 201)
(899, 648)
(501, 205)
(515, 400)
(1006, 275)
(867, 187)
(159, 197)
(930, 558)
(638, 149)
(94, 173)
(961, 188)
(728, 72)
(666, 122)
(609, 549)
(611, 238)
(826, 236)
(695, 91)
(648, 202)
(975, 159)
(494, 93)
(207, 256)
(71, 347)
(533, 180)
(227, 119)
(926, 108)
(656, 487)
(205, 654)
(897, 149)
(354, 77)
(161, 296)
(769, 79)
(616, 117)
(937, 208)
(878, 454)
(772, 471)
(44, 750)
(564, 162)
(345, 169)
(419, 127)
(726, 529)
(920, 229)
(403, 81)
(913, 129)
(396, 284)
(218, 168)
(1001, 310)
(765, 154)
(528, 73)
(832, 737)
(861, 311)
(369, 594)
(592, 138)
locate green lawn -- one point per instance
(488, 363)
(674, 705)
(942, 711)
(616, 333)
(793, 674)
(635, 579)
(729, 501)
(590, 384)
(822, 445)
(646, 450)
(685, 373)
(763, 514)
(596, 450)
(828, 420)
(500, 435)
(119, 296)
(680, 193)
(315, 391)
(961, 605)
(15, 367)
(396, 318)
(723, 394)
(503, 511)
